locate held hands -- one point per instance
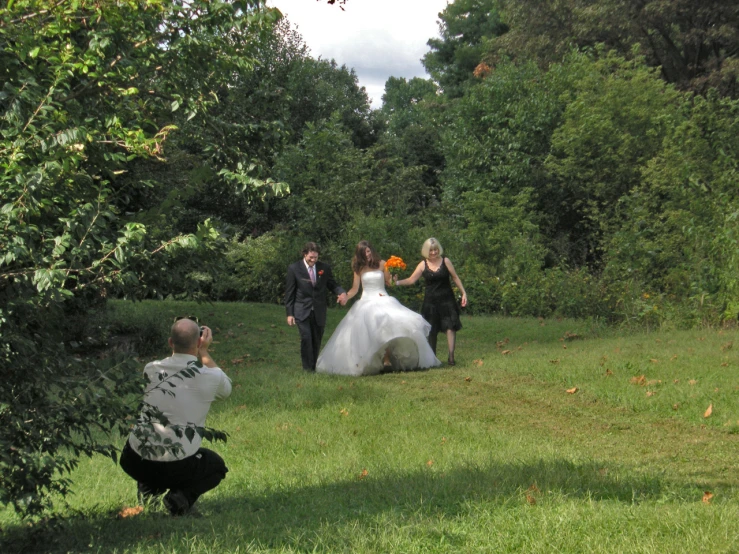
(342, 299)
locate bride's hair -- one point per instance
(360, 261)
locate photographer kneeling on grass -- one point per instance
(163, 451)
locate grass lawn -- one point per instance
(547, 436)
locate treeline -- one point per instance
(575, 158)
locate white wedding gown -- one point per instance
(375, 323)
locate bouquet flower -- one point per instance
(395, 265)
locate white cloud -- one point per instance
(377, 38)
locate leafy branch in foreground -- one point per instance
(87, 89)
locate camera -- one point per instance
(201, 331)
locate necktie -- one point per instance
(312, 275)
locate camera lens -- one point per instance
(201, 331)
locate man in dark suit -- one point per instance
(305, 301)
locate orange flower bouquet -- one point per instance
(395, 265)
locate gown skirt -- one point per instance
(375, 323)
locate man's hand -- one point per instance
(205, 339)
(204, 342)
(290, 320)
(342, 299)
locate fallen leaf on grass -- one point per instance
(654, 360)
(506, 352)
(530, 499)
(468, 379)
(675, 406)
(430, 463)
(650, 393)
(609, 372)
(707, 496)
(641, 380)
(708, 411)
(478, 363)
(554, 361)
(727, 346)
(364, 474)
(692, 382)
(130, 512)
(725, 364)
(676, 381)
(344, 412)
(534, 488)
(573, 390)
(673, 358)
(564, 346)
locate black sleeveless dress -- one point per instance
(439, 308)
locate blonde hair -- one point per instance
(428, 245)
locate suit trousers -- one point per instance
(192, 476)
(311, 335)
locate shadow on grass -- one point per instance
(297, 518)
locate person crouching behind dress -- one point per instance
(439, 307)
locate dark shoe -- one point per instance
(176, 503)
(451, 361)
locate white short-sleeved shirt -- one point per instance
(189, 403)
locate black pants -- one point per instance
(310, 341)
(192, 476)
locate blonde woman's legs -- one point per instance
(451, 339)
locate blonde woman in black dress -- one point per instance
(440, 307)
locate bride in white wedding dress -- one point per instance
(378, 333)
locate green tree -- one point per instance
(678, 238)
(414, 119)
(464, 28)
(331, 179)
(694, 43)
(613, 125)
(88, 87)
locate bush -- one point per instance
(254, 268)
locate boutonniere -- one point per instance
(320, 272)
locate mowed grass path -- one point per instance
(493, 455)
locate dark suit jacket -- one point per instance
(301, 296)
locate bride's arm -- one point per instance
(386, 273)
(355, 287)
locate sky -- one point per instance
(377, 38)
